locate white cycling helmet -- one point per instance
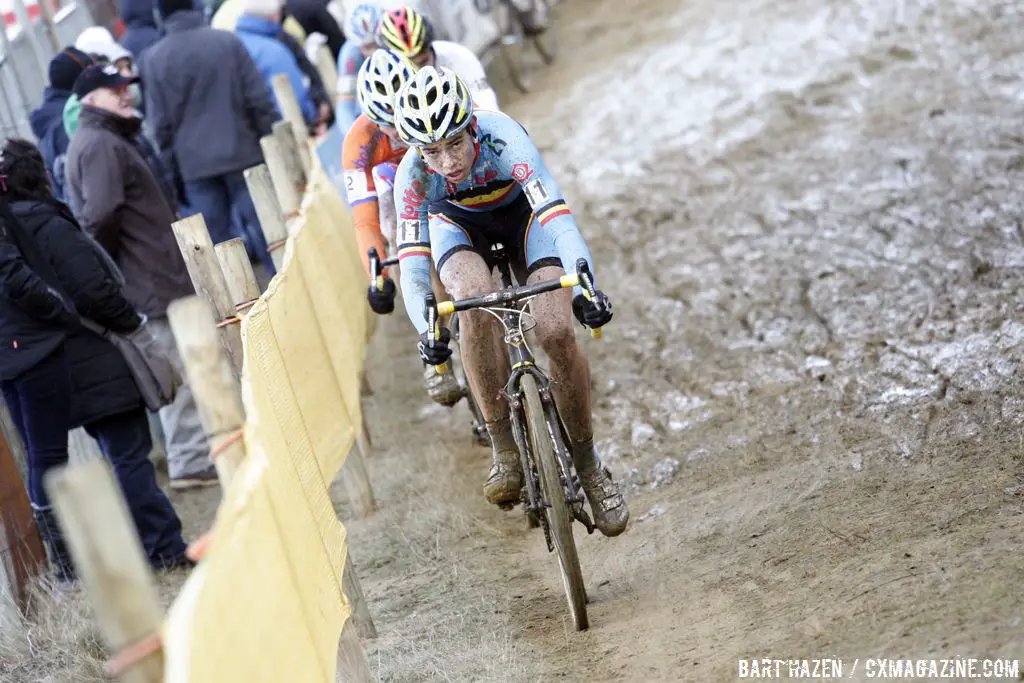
(433, 105)
(380, 78)
(361, 26)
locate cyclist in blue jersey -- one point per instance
(360, 43)
(471, 179)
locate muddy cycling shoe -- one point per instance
(505, 480)
(606, 501)
(442, 388)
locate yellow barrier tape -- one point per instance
(266, 603)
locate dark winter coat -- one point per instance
(206, 102)
(48, 126)
(314, 17)
(51, 271)
(141, 31)
(119, 201)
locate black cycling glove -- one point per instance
(440, 353)
(382, 301)
(592, 313)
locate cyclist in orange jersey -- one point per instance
(372, 150)
(370, 157)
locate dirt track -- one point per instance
(809, 217)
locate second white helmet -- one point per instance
(433, 105)
(378, 82)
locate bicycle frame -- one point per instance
(513, 303)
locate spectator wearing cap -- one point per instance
(258, 28)
(118, 200)
(208, 107)
(55, 374)
(101, 46)
(47, 121)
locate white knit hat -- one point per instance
(97, 40)
(262, 8)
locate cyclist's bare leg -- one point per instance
(486, 365)
(570, 373)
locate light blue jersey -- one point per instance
(509, 196)
(347, 110)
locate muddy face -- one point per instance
(452, 157)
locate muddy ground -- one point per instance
(809, 218)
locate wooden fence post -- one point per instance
(214, 384)
(204, 269)
(268, 210)
(353, 590)
(109, 559)
(351, 666)
(292, 113)
(21, 550)
(285, 189)
(218, 398)
(238, 274)
(285, 133)
(356, 479)
(328, 69)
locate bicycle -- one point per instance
(513, 34)
(477, 423)
(553, 494)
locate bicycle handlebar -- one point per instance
(582, 278)
(377, 267)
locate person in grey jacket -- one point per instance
(208, 106)
(119, 201)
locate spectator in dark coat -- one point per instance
(54, 374)
(314, 17)
(119, 201)
(171, 185)
(208, 107)
(141, 31)
(47, 121)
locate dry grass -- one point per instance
(58, 641)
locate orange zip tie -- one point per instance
(232, 438)
(197, 548)
(237, 319)
(246, 305)
(274, 246)
(132, 654)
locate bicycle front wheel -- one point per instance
(546, 441)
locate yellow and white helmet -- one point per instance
(434, 104)
(378, 82)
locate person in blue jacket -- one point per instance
(48, 120)
(257, 28)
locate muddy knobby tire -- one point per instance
(558, 515)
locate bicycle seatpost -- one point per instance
(433, 328)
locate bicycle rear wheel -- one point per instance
(546, 441)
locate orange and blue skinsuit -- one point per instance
(368, 160)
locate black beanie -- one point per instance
(168, 7)
(66, 66)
